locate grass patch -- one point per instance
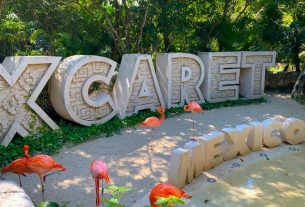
(300, 99)
(69, 134)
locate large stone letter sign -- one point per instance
(222, 75)
(69, 89)
(180, 76)
(21, 81)
(136, 87)
(230, 74)
(252, 73)
(213, 148)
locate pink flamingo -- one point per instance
(18, 167)
(152, 122)
(40, 165)
(99, 171)
(194, 108)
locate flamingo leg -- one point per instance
(97, 192)
(103, 191)
(193, 128)
(20, 181)
(42, 187)
(152, 136)
(45, 176)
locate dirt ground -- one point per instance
(131, 161)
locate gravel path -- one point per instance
(129, 156)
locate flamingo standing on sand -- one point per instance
(152, 122)
(165, 190)
(99, 171)
(40, 165)
(18, 167)
(194, 108)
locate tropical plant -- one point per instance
(116, 194)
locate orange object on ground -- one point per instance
(165, 190)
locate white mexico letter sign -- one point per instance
(136, 87)
(252, 73)
(69, 89)
(222, 75)
(21, 81)
(180, 76)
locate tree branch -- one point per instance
(141, 28)
(113, 31)
(226, 9)
(113, 36)
(127, 23)
(127, 15)
(248, 2)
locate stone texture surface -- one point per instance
(178, 87)
(137, 73)
(255, 137)
(222, 75)
(21, 81)
(69, 89)
(252, 75)
(213, 148)
(11, 195)
(143, 73)
(236, 141)
(293, 131)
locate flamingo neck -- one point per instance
(162, 117)
(27, 156)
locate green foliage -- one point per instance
(51, 204)
(116, 193)
(69, 134)
(300, 98)
(48, 204)
(170, 201)
(112, 28)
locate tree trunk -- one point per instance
(296, 49)
(226, 9)
(166, 42)
(299, 87)
(224, 19)
(295, 57)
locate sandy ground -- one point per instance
(130, 160)
(274, 180)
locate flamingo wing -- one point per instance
(42, 164)
(18, 166)
(198, 110)
(151, 122)
(195, 107)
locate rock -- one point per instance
(11, 195)
(281, 80)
